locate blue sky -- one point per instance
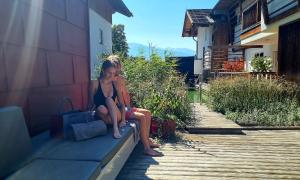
(159, 21)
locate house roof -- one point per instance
(195, 18)
(120, 7)
(224, 4)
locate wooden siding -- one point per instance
(41, 64)
(277, 7)
(289, 51)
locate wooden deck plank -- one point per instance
(256, 155)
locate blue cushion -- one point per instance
(101, 149)
(15, 143)
(58, 169)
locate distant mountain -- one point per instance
(136, 49)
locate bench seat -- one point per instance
(45, 158)
(57, 169)
(100, 149)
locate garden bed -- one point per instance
(256, 103)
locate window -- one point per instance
(252, 15)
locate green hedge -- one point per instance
(256, 102)
(156, 85)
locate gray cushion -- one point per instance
(58, 169)
(15, 143)
(83, 131)
(100, 149)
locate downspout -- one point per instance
(196, 47)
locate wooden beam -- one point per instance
(250, 33)
(234, 46)
(265, 10)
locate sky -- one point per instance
(159, 22)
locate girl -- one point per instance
(142, 115)
(105, 97)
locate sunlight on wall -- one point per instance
(28, 55)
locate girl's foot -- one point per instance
(152, 153)
(153, 145)
(117, 134)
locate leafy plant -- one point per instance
(259, 102)
(261, 64)
(156, 85)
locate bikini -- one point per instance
(100, 99)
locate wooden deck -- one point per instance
(256, 155)
(210, 119)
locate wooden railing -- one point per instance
(216, 57)
(257, 75)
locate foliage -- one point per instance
(119, 41)
(259, 102)
(155, 85)
(261, 64)
(234, 66)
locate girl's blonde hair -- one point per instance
(114, 58)
(106, 64)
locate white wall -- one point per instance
(204, 39)
(250, 53)
(98, 23)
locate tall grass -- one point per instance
(259, 102)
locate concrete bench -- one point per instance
(23, 157)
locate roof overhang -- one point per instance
(190, 27)
(224, 4)
(120, 7)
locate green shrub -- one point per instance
(155, 85)
(261, 64)
(259, 102)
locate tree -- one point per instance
(119, 41)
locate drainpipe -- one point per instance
(196, 47)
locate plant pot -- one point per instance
(154, 127)
(168, 128)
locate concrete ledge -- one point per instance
(195, 130)
(200, 130)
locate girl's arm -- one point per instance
(120, 97)
(126, 96)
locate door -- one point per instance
(289, 51)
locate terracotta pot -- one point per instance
(168, 128)
(154, 127)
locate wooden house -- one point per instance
(243, 29)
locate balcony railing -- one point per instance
(224, 58)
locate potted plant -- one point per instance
(261, 64)
(168, 126)
(155, 123)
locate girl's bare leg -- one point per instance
(144, 133)
(147, 114)
(115, 115)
